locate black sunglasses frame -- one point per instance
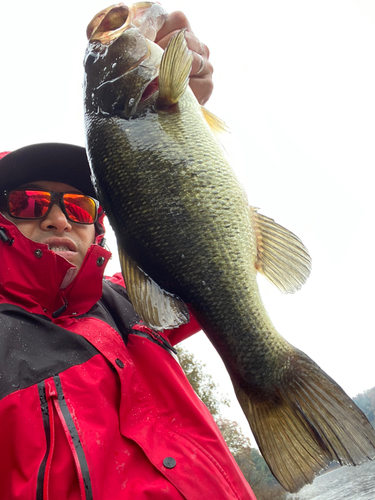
(56, 196)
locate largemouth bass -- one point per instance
(187, 235)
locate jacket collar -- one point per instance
(42, 282)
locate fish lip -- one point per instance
(100, 27)
(61, 242)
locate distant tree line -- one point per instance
(366, 402)
(250, 461)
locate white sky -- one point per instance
(294, 81)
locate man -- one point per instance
(93, 404)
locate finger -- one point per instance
(192, 41)
(201, 70)
(175, 21)
(199, 51)
(202, 88)
(201, 66)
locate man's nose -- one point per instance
(55, 219)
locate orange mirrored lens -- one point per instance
(28, 204)
(79, 208)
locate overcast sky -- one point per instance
(294, 81)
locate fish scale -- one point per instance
(187, 235)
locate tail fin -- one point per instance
(309, 423)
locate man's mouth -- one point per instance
(63, 246)
(59, 249)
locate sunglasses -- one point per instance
(36, 204)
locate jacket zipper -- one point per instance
(43, 473)
(52, 399)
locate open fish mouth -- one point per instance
(109, 24)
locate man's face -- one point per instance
(66, 238)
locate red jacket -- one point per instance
(93, 405)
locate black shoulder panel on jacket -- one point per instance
(115, 308)
(33, 349)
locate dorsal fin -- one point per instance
(216, 124)
(282, 257)
(174, 71)
(158, 309)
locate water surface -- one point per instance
(344, 483)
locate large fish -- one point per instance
(186, 235)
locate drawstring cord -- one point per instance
(61, 309)
(4, 237)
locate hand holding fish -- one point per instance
(201, 71)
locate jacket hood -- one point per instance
(42, 282)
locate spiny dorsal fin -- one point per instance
(217, 125)
(158, 309)
(174, 71)
(282, 257)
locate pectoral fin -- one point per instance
(174, 71)
(158, 309)
(282, 257)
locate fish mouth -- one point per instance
(145, 19)
(109, 24)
